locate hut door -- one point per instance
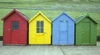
(15, 33)
(63, 32)
(40, 32)
(86, 33)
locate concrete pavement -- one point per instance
(49, 50)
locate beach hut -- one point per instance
(63, 28)
(15, 28)
(39, 30)
(86, 30)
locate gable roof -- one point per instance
(82, 17)
(63, 14)
(24, 15)
(21, 14)
(37, 15)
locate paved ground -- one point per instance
(49, 50)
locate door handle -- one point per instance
(10, 29)
(57, 36)
(44, 33)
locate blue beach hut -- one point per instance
(63, 28)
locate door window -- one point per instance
(40, 26)
(15, 25)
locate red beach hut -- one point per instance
(15, 27)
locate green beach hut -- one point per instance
(86, 30)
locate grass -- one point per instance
(50, 9)
(23, 0)
(49, 14)
(37, 0)
(93, 7)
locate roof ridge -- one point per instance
(66, 15)
(14, 10)
(78, 19)
(42, 15)
(23, 15)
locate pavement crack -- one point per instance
(62, 51)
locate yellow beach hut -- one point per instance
(39, 30)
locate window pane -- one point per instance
(42, 23)
(37, 23)
(37, 30)
(15, 25)
(41, 30)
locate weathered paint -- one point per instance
(44, 35)
(12, 35)
(63, 30)
(86, 31)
